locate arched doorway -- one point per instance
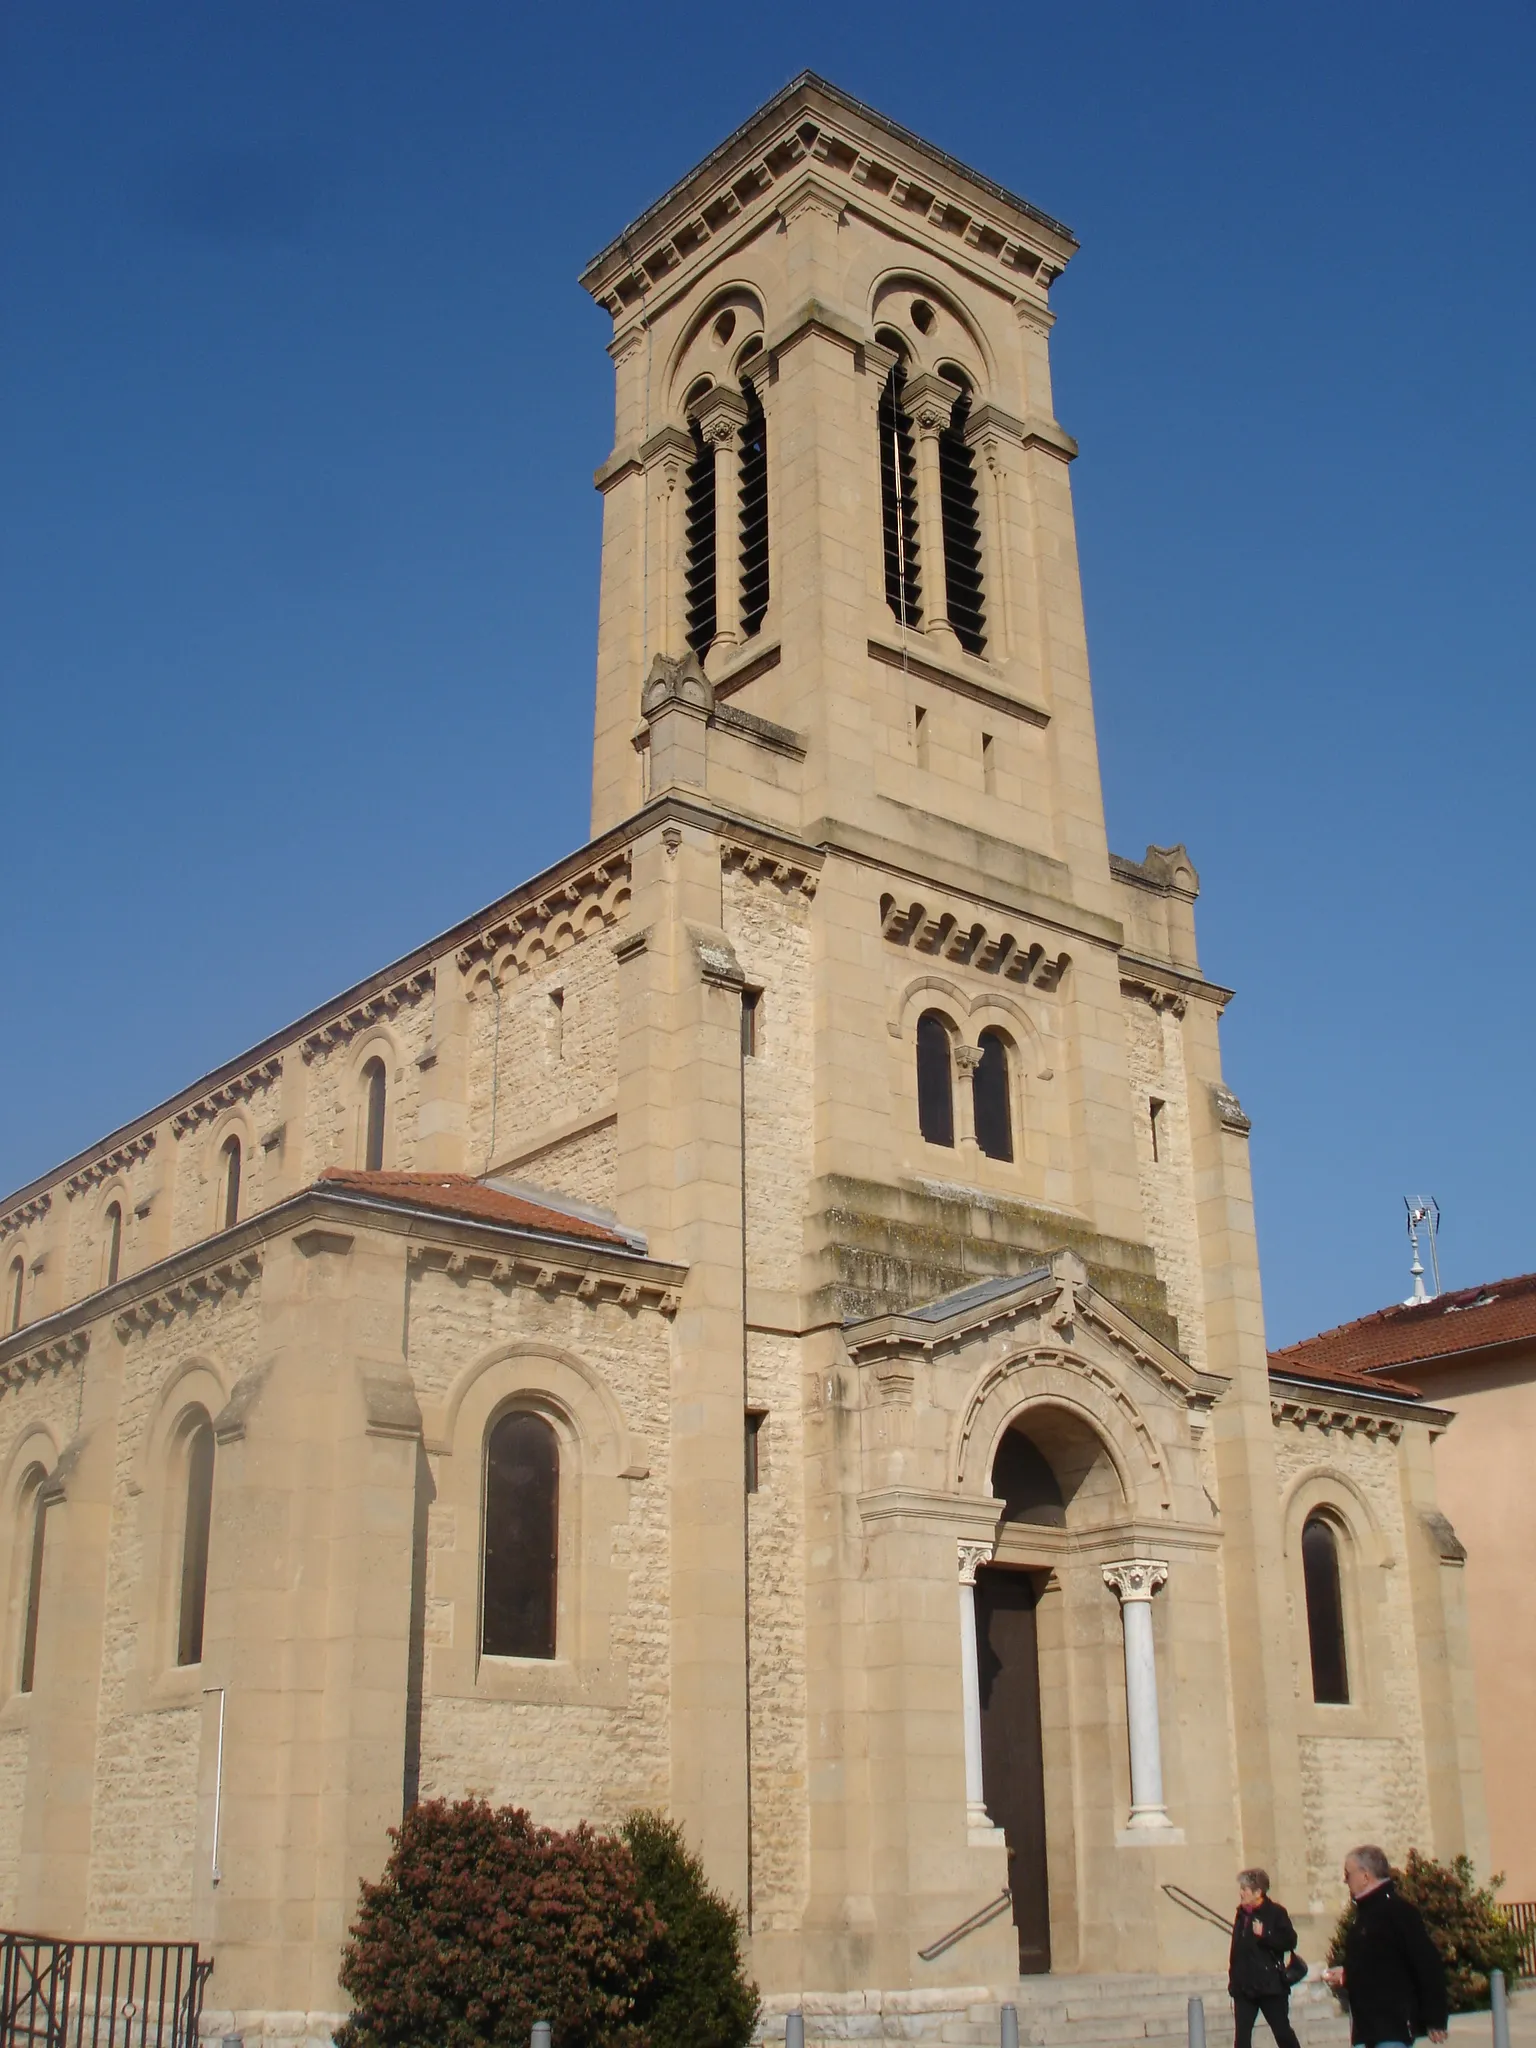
(1052, 1472)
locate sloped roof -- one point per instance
(459, 1194)
(1394, 1339)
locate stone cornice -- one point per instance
(759, 864)
(182, 1297)
(588, 901)
(1168, 988)
(1316, 1404)
(117, 1161)
(30, 1211)
(855, 156)
(389, 1002)
(943, 933)
(253, 1082)
(893, 654)
(31, 1362)
(553, 1273)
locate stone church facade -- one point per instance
(764, 1320)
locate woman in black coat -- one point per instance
(1262, 1938)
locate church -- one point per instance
(764, 1319)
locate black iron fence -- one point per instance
(99, 1994)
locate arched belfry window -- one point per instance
(229, 1181)
(990, 1097)
(754, 514)
(699, 541)
(375, 1102)
(114, 1259)
(935, 1080)
(15, 1283)
(522, 1526)
(35, 1523)
(196, 1528)
(898, 498)
(1325, 1611)
(962, 527)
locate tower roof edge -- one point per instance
(771, 127)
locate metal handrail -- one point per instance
(1198, 1907)
(980, 1918)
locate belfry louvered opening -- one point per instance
(898, 502)
(754, 515)
(962, 524)
(699, 576)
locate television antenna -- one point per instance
(1423, 1214)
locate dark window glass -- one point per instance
(114, 1242)
(699, 571)
(194, 1545)
(935, 1094)
(1022, 1476)
(898, 503)
(522, 1496)
(962, 530)
(1325, 1612)
(18, 1276)
(229, 1157)
(756, 1417)
(754, 515)
(373, 1143)
(34, 1592)
(989, 1096)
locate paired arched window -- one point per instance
(522, 1529)
(991, 1099)
(15, 1284)
(35, 1534)
(962, 527)
(229, 1181)
(114, 1247)
(898, 497)
(375, 1102)
(197, 1524)
(1325, 1611)
(935, 1083)
(702, 515)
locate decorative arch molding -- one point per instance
(1009, 1387)
(687, 363)
(36, 1445)
(198, 1381)
(1326, 1488)
(979, 1006)
(552, 1379)
(927, 351)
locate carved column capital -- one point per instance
(1136, 1578)
(967, 1058)
(929, 401)
(970, 1558)
(721, 414)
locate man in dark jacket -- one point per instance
(1392, 1974)
(1262, 1938)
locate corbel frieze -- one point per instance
(241, 1089)
(25, 1213)
(199, 1290)
(388, 1003)
(760, 866)
(117, 1161)
(1156, 999)
(943, 934)
(548, 1274)
(51, 1357)
(545, 926)
(1326, 1416)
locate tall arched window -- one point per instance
(699, 569)
(375, 1099)
(935, 1086)
(962, 527)
(1325, 1611)
(990, 1097)
(754, 514)
(522, 1516)
(898, 499)
(229, 1181)
(35, 1511)
(114, 1258)
(15, 1282)
(194, 1544)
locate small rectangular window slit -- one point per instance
(756, 1417)
(751, 1008)
(988, 765)
(1156, 1108)
(920, 734)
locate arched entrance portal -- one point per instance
(1051, 1472)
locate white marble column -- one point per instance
(1135, 1580)
(971, 1557)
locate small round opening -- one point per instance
(725, 327)
(924, 319)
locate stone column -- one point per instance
(1135, 1580)
(721, 415)
(929, 401)
(971, 1557)
(965, 1059)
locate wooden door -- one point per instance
(1012, 1761)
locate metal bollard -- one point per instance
(1197, 2023)
(794, 2030)
(1499, 1999)
(1010, 2026)
(540, 2037)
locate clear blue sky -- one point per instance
(300, 401)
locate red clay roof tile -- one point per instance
(1470, 1319)
(459, 1194)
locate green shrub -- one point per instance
(1464, 1922)
(483, 1923)
(699, 1995)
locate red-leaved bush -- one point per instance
(483, 1923)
